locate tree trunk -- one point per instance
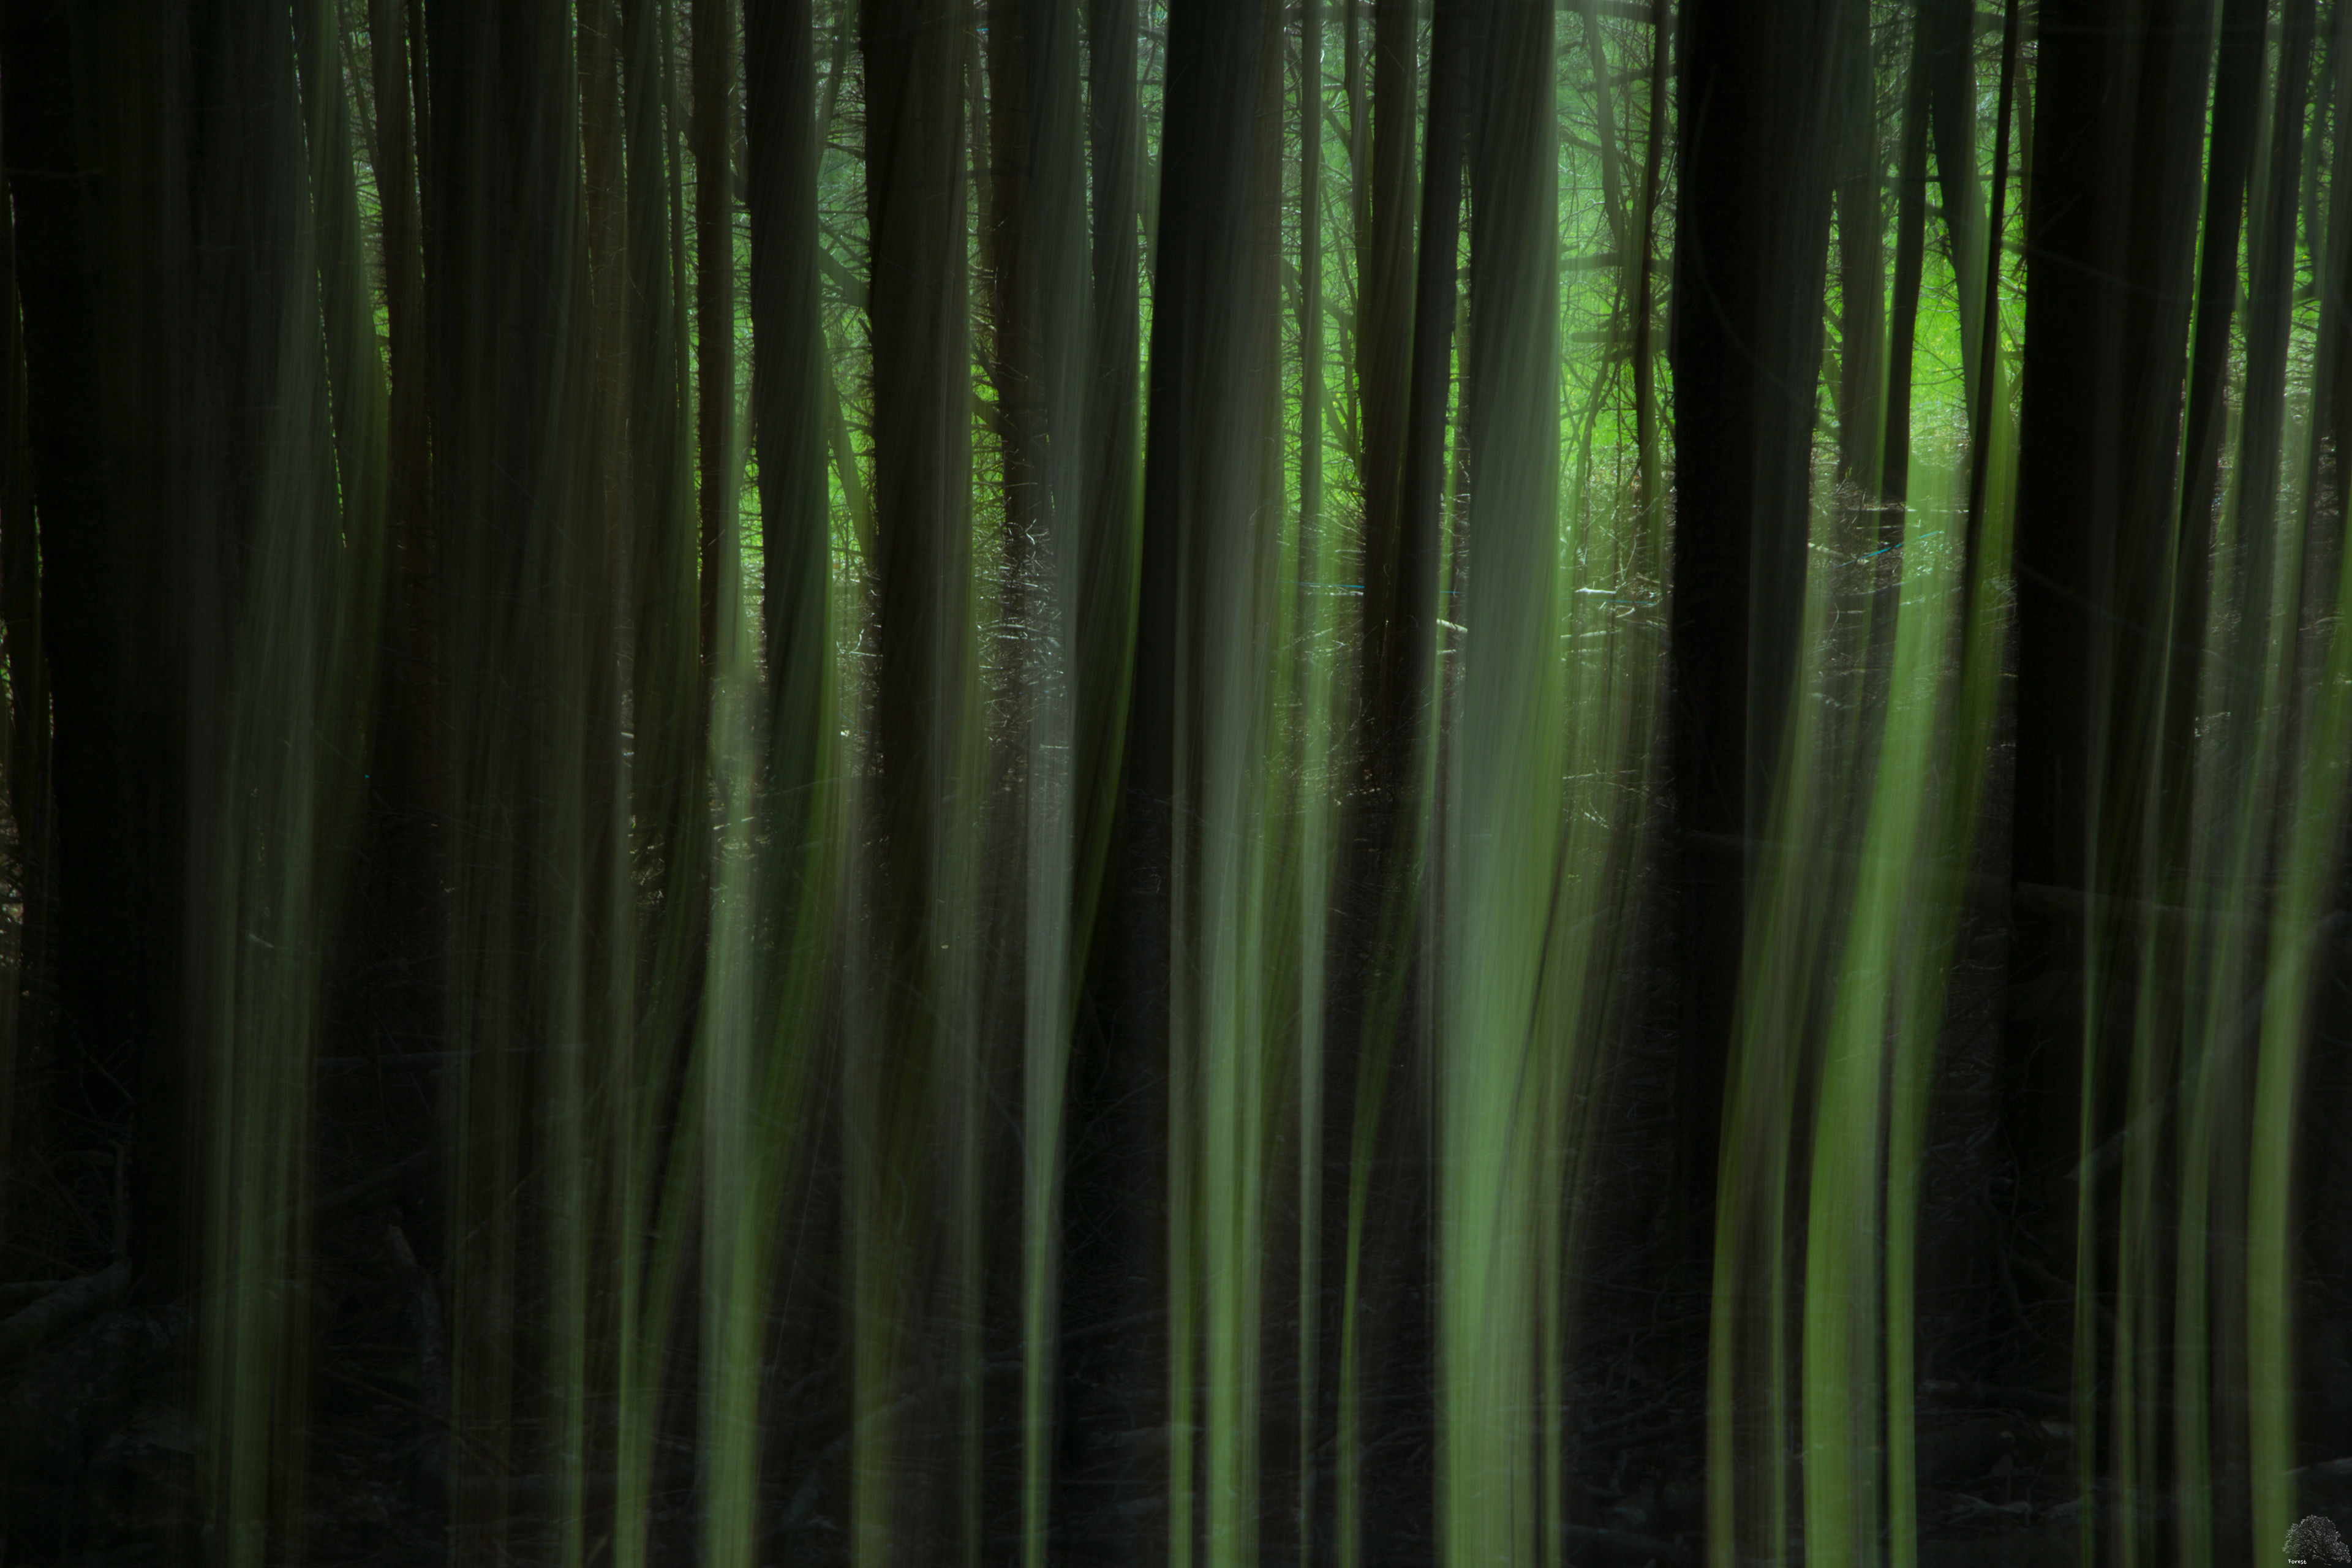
(1757, 129)
(713, 69)
(913, 1192)
(1752, 225)
(100, 191)
(1103, 1370)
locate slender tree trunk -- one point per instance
(23, 1011)
(714, 304)
(788, 387)
(1947, 53)
(1104, 1368)
(790, 382)
(1376, 1113)
(1014, 309)
(910, 1195)
(1861, 258)
(1910, 257)
(1396, 566)
(2228, 161)
(404, 861)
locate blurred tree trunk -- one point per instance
(788, 389)
(913, 1186)
(1399, 550)
(1752, 225)
(516, 498)
(1202, 482)
(1103, 1374)
(1016, 315)
(2111, 241)
(403, 864)
(1861, 257)
(1910, 257)
(1948, 55)
(1759, 116)
(24, 1010)
(96, 98)
(713, 69)
(2229, 164)
(1378, 1112)
(2111, 229)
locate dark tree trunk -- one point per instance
(665, 540)
(1377, 1119)
(23, 1010)
(2110, 227)
(1203, 480)
(401, 859)
(1947, 53)
(926, 673)
(2228, 161)
(513, 482)
(96, 96)
(1758, 120)
(1104, 1372)
(788, 395)
(714, 312)
(1910, 257)
(1861, 257)
(1016, 313)
(1752, 226)
(2110, 236)
(1399, 561)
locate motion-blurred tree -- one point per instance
(1189, 781)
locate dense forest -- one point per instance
(1065, 783)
